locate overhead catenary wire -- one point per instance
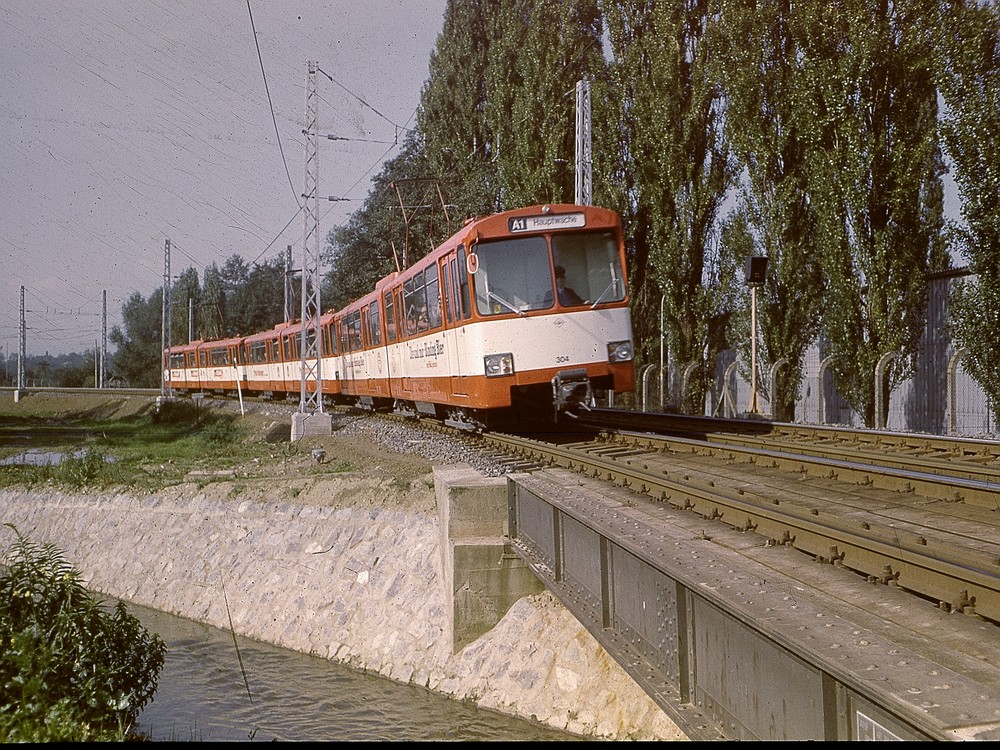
(270, 104)
(134, 259)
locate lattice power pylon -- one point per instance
(166, 325)
(311, 401)
(584, 160)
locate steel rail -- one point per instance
(956, 577)
(968, 458)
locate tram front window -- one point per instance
(513, 275)
(516, 275)
(593, 266)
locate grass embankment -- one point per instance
(149, 449)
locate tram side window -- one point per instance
(433, 288)
(329, 340)
(415, 301)
(342, 328)
(374, 324)
(354, 342)
(449, 292)
(219, 357)
(463, 284)
(390, 317)
(176, 361)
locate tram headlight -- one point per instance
(499, 364)
(619, 351)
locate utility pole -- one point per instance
(102, 379)
(289, 293)
(756, 274)
(584, 161)
(310, 418)
(22, 339)
(166, 332)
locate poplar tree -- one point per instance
(235, 275)
(539, 51)
(186, 288)
(875, 169)
(378, 238)
(455, 135)
(679, 170)
(263, 296)
(210, 322)
(758, 67)
(970, 84)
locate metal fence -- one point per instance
(940, 398)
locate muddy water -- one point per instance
(212, 689)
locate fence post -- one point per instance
(774, 381)
(728, 398)
(820, 415)
(952, 398)
(685, 380)
(644, 378)
(883, 362)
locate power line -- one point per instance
(271, 106)
(360, 100)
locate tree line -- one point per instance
(815, 133)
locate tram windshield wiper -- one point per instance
(505, 303)
(612, 285)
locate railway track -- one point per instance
(921, 516)
(914, 512)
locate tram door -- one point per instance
(454, 281)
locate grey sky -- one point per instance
(123, 124)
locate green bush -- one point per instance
(176, 413)
(85, 470)
(70, 670)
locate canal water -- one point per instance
(212, 688)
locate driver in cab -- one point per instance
(567, 295)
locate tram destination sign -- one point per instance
(546, 221)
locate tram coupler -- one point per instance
(571, 388)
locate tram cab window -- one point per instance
(592, 265)
(513, 275)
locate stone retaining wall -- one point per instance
(361, 585)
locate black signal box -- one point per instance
(756, 269)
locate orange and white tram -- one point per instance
(182, 371)
(517, 312)
(263, 373)
(290, 365)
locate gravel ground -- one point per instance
(361, 439)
